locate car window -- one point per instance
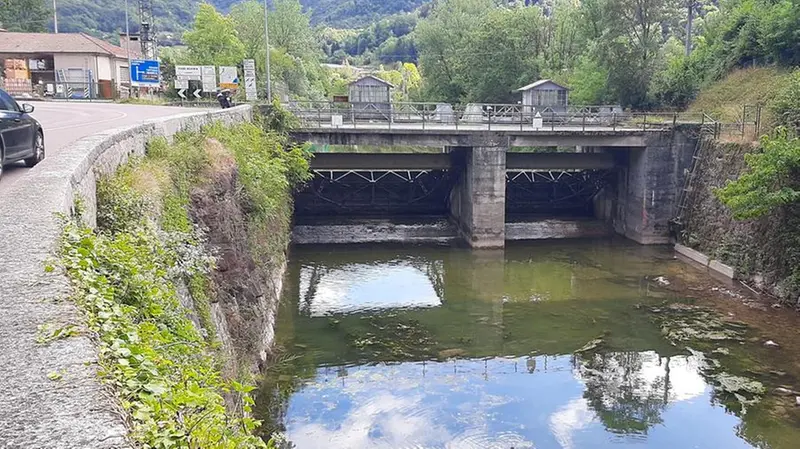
(7, 103)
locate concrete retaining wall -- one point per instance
(76, 411)
(713, 266)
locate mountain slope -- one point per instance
(107, 17)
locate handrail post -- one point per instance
(644, 122)
(552, 120)
(490, 118)
(674, 120)
(583, 121)
(614, 121)
(422, 112)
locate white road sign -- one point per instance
(228, 77)
(181, 84)
(250, 91)
(188, 72)
(209, 76)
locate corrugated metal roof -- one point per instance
(373, 77)
(59, 43)
(539, 83)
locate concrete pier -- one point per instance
(478, 199)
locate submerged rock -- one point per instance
(771, 344)
(783, 391)
(451, 353)
(594, 344)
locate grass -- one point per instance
(725, 98)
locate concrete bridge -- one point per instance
(647, 166)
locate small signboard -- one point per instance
(209, 78)
(145, 73)
(228, 77)
(188, 72)
(250, 90)
(181, 84)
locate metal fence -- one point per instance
(103, 90)
(483, 116)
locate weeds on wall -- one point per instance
(160, 364)
(770, 186)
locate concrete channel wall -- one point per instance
(75, 411)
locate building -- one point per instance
(545, 96)
(66, 65)
(371, 97)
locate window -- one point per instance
(562, 97)
(7, 103)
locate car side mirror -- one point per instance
(27, 108)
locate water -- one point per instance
(547, 345)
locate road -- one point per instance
(67, 122)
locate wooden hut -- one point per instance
(371, 97)
(545, 96)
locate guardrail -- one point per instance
(486, 116)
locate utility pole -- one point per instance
(266, 38)
(128, 46)
(689, 27)
(55, 17)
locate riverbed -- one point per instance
(557, 344)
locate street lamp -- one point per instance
(55, 17)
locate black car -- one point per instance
(21, 136)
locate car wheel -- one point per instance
(38, 151)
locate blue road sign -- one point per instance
(145, 73)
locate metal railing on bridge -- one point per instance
(316, 114)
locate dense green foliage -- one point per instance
(773, 178)
(227, 40)
(213, 39)
(162, 367)
(352, 14)
(631, 52)
(387, 40)
(785, 107)
(25, 15)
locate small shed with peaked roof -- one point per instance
(545, 95)
(371, 97)
(370, 89)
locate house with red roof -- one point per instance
(58, 64)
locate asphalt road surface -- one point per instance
(67, 122)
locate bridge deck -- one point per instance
(478, 135)
(443, 161)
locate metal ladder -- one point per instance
(687, 183)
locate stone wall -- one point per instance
(75, 411)
(762, 251)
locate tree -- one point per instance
(248, 19)
(772, 180)
(290, 30)
(213, 39)
(443, 42)
(24, 15)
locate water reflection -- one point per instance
(450, 348)
(501, 403)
